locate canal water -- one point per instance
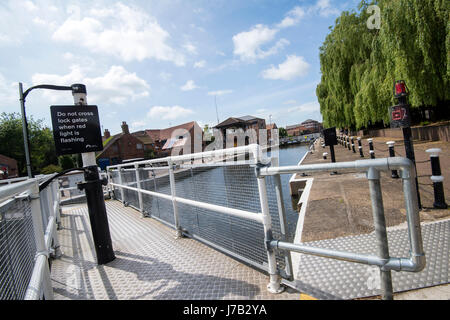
(229, 186)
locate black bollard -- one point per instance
(372, 152)
(325, 154)
(438, 179)
(360, 148)
(391, 145)
(353, 145)
(97, 214)
(349, 144)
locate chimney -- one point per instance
(125, 128)
(106, 135)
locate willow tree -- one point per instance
(359, 65)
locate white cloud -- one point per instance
(293, 17)
(307, 107)
(30, 6)
(117, 86)
(137, 125)
(9, 92)
(189, 86)
(293, 67)
(219, 92)
(200, 64)
(168, 113)
(190, 48)
(122, 31)
(324, 9)
(247, 45)
(166, 76)
(290, 102)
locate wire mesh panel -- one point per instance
(17, 248)
(115, 179)
(129, 179)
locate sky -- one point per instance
(160, 63)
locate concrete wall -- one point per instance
(428, 133)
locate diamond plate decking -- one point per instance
(346, 280)
(150, 264)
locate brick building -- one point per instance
(184, 136)
(296, 130)
(235, 125)
(8, 168)
(120, 147)
(313, 126)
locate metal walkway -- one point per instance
(150, 264)
(345, 280)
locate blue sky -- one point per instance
(159, 63)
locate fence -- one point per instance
(237, 207)
(28, 238)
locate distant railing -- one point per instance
(28, 238)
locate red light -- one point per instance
(400, 88)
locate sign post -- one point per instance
(401, 118)
(330, 138)
(88, 116)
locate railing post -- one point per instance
(391, 144)
(372, 151)
(179, 233)
(361, 153)
(122, 193)
(39, 239)
(379, 221)
(138, 182)
(283, 223)
(274, 285)
(438, 179)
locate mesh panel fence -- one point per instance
(17, 249)
(232, 186)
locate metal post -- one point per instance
(361, 153)
(138, 182)
(122, 193)
(349, 146)
(41, 249)
(179, 233)
(274, 285)
(409, 149)
(353, 145)
(94, 195)
(391, 144)
(283, 223)
(325, 156)
(379, 221)
(438, 179)
(26, 140)
(372, 151)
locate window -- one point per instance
(139, 146)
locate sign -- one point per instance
(330, 137)
(400, 116)
(76, 129)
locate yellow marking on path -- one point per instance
(306, 297)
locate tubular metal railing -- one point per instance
(28, 238)
(134, 188)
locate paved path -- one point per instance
(150, 264)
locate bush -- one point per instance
(51, 169)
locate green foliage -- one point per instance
(282, 133)
(42, 147)
(359, 65)
(51, 169)
(66, 162)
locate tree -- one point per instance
(42, 147)
(282, 132)
(66, 162)
(359, 65)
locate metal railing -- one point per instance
(28, 238)
(145, 184)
